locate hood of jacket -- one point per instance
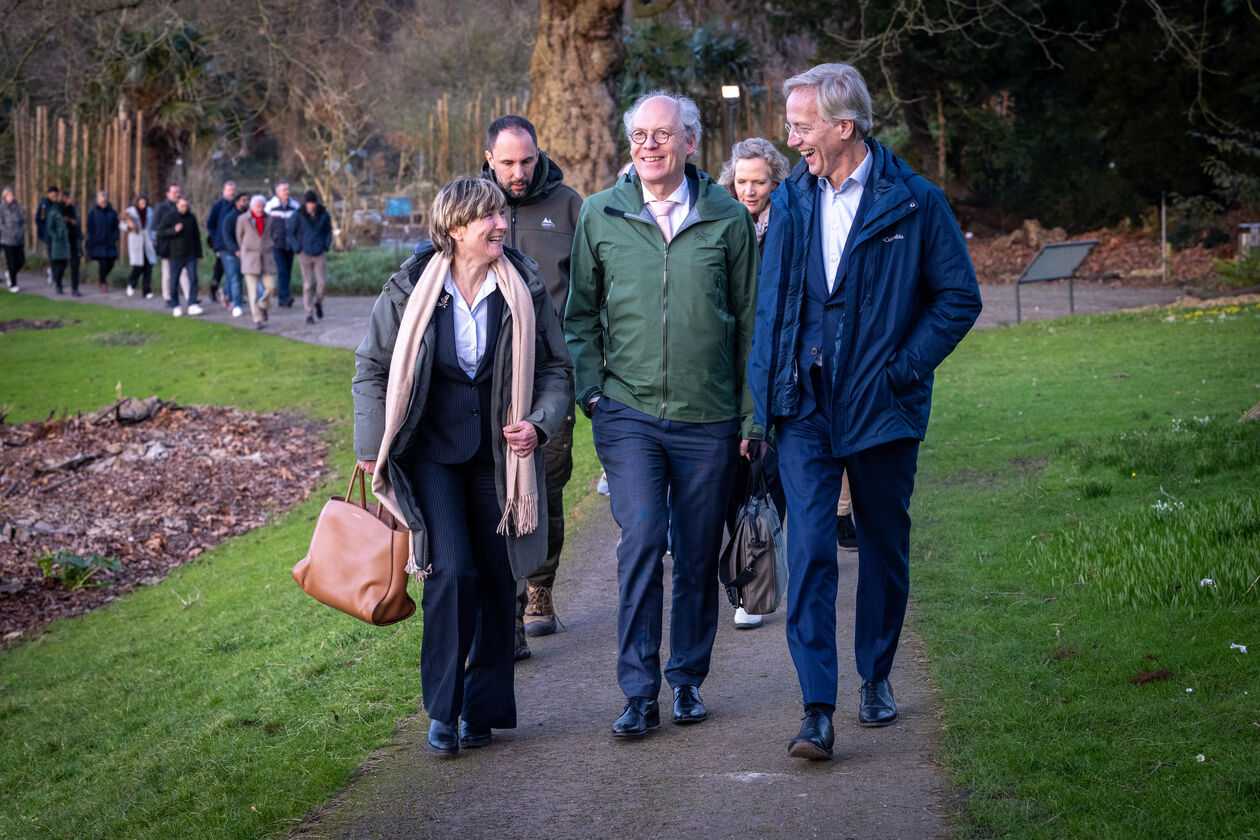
(547, 176)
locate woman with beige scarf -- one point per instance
(462, 376)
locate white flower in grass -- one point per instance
(1189, 690)
(1242, 648)
(1200, 757)
(1207, 582)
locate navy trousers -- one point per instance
(881, 480)
(468, 600)
(654, 465)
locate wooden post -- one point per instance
(139, 150)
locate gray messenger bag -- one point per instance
(753, 566)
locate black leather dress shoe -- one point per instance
(640, 715)
(443, 739)
(877, 707)
(815, 738)
(688, 707)
(473, 736)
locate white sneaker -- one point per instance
(13, 289)
(744, 621)
(131, 291)
(194, 309)
(149, 296)
(177, 312)
(236, 312)
(602, 487)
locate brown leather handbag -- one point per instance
(357, 557)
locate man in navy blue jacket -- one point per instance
(866, 286)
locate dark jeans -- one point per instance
(232, 277)
(467, 646)
(654, 465)
(103, 267)
(142, 271)
(176, 267)
(217, 275)
(14, 260)
(881, 480)
(284, 269)
(59, 270)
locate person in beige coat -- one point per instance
(253, 233)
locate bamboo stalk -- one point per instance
(139, 150)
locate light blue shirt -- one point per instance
(471, 322)
(838, 208)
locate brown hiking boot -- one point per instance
(540, 615)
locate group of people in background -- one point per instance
(254, 241)
(794, 314)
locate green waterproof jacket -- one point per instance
(664, 328)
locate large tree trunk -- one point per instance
(574, 77)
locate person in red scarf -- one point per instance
(253, 234)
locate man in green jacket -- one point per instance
(659, 322)
(541, 215)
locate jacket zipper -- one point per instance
(665, 334)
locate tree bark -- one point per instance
(574, 78)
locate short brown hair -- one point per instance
(465, 199)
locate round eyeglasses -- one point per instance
(638, 137)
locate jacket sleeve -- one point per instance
(165, 228)
(742, 263)
(553, 393)
(371, 377)
(769, 282)
(582, 329)
(575, 211)
(212, 222)
(948, 282)
(325, 231)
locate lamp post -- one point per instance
(730, 95)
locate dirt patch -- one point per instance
(151, 484)
(1034, 464)
(21, 324)
(1143, 677)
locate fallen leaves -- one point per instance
(154, 484)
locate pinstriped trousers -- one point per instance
(468, 603)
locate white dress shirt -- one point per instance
(682, 204)
(838, 207)
(471, 322)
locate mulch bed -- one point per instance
(152, 484)
(1122, 255)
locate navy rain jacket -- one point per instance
(910, 295)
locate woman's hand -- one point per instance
(368, 467)
(522, 437)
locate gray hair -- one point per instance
(8, 191)
(754, 148)
(688, 111)
(258, 197)
(842, 94)
(464, 200)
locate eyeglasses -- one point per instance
(638, 137)
(800, 132)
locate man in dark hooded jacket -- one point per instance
(541, 215)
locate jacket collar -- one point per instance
(711, 201)
(890, 200)
(404, 278)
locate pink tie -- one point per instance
(662, 209)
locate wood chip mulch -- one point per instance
(153, 484)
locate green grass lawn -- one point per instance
(1081, 479)
(229, 716)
